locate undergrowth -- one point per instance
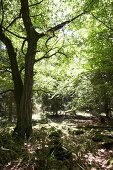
(50, 149)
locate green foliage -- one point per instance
(5, 71)
(73, 66)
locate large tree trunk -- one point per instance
(23, 92)
(24, 122)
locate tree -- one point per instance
(29, 36)
(99, 51)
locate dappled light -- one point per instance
(56, 85)
(70, 143)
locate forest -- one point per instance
(56, 90)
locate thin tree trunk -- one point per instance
(24, 121)
(18, 84)
(107, 104)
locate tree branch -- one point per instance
(36, 4)
(13, 60)
(13, 21)
(6, 91)
(5, 70)
(62, 53)
(49, 38)
(30, 30)
(18, 36)
(61, 25)
(49, 56)
(36, 15)
(22, 48)
(101, 22)
(45, 57)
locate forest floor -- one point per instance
(86, 143)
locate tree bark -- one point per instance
(24, 121)
(10, 106)
(23, 92)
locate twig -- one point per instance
(10, 90)
(101, 22)
(45, 57)
(18, 36)
(22, 48)
(13, 21)
(37, 15)
(48, 41)
(61, 25)
(5, 70)
(36, 4)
